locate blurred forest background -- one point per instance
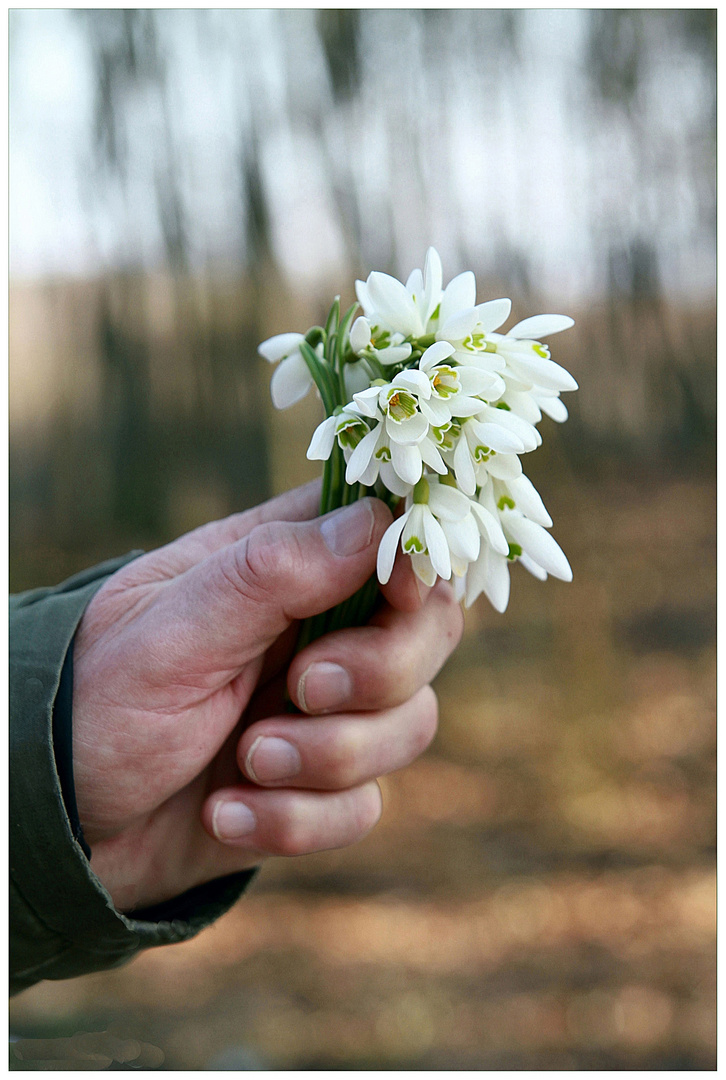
(185, 183)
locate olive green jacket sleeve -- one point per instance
(62, 920)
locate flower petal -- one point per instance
(543, 372)
(448, 503)
(393, 302)
(431, 456)
(388, 547)
(534, 569)
(464, 467)
(525, 432)
(457, 326)
(290, 382)
(463, 538)
(497, 582)
(409, 431)
(360, 334)
(435, 354)
(528, 500)
(415, 380)
(438, 548)
(498, 438)
(503, 466)
(393, 354)
(406, 460)
(538, 543)
(459, 294)
(393, 481)
(361, 456)
(553, 407)
(433, 278)
(367, 400)
(356, 378)
(423, 568)
(321, 444)
(437, 412)
(490, 528)
(415, 283)
(278, 347)
(539, 326)
(493, 313)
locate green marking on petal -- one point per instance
(421, 491)
(482, 453)
(503, 405)
(514, 551)
(505, 501)
(414, 544)
(541, 350)
(445, 381)
(436, 312)
(384, 454)
(401, 405)
(350, 433)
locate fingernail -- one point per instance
(270, 758)
(323, 686)
(232, 820)
(349, 530)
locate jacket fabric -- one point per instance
(63, 922)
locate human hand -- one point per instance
(187, 765)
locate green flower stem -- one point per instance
(328, 375)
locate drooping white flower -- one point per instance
(347, 426)
(388, 304)
(372, 458)
(292, 379)
(387, 349)
(476, 445)
(420, 532)
(524, 522)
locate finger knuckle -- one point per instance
(343, 756)
(292, 837)
(369, 807)
(267, 559)
(427, 713)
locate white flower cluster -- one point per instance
(436, 407)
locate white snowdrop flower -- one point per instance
(387, 348)
(502, 415)
(405, 309)
(292, 379)
(360, 334)
(346, 425)
(528, 359)
(489, 574)
(477, 444)
(518, 494)
(455, 391)
(420, 532)
(372, 458)
(534, 546)
(468, 328)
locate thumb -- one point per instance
(231, 607)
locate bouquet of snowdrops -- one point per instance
(427, 403)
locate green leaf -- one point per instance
(333, 317)
(344, 330)
(322, 377)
